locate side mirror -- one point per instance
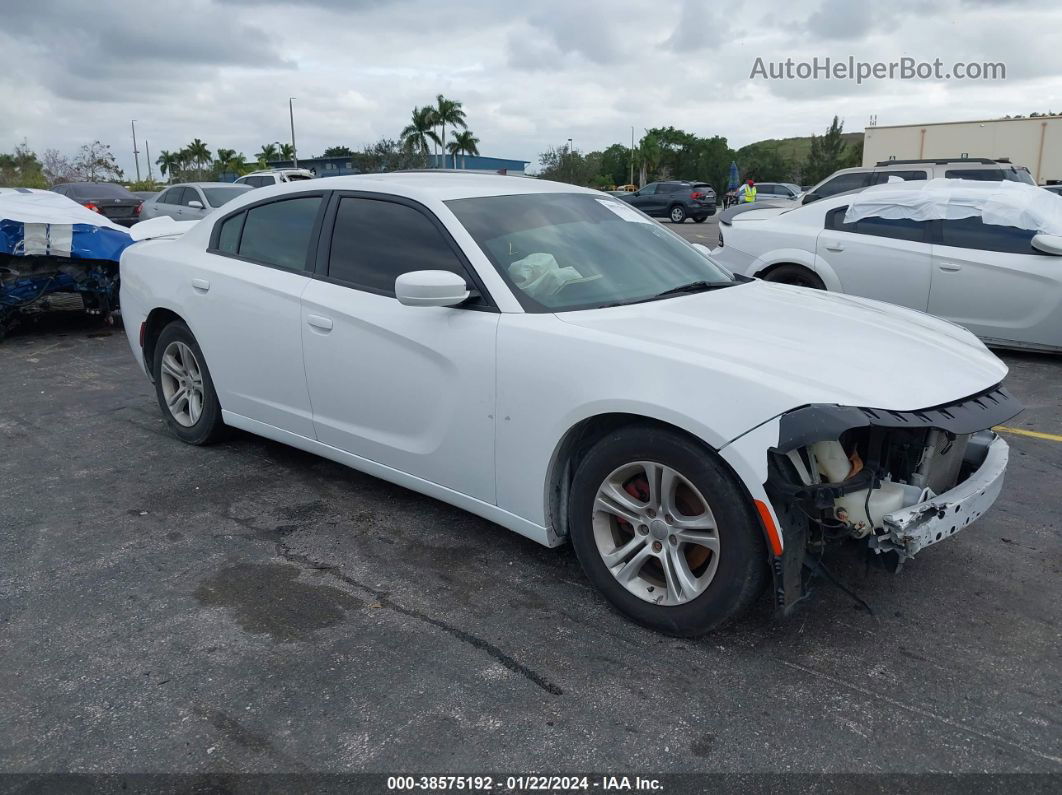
(809, 198)
(1048, 244)
(431, 288)
(703, 249)
(196, 204)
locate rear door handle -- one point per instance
(319, 322)
(950, 266)
(201, 284)
(834, 245)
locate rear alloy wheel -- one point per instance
(184, 388)
(662, 529)
(677, 214)
(796, 275)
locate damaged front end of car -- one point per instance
(897, 481)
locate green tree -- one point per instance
(22, 169)
(420, 131)
(287, 152)
(388, 154)
(448, 112)
(199, 154)
(616, 164)
(827, 154)
(337, 151)
(764, 162)
(267, 154)
(464, 143)
(169, 164)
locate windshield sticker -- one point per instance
(625, 212)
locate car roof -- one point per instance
(441, 186)
(208, 185)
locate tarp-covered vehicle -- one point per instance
(51, 246)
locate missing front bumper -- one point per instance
(912, 529)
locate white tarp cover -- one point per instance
(30, 206)
(1001, 203)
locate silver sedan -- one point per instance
(191, 201)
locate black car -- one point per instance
(677, 200)
(109, 200)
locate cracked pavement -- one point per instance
(249, 607)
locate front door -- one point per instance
(412, 388)
(881, 258)
(991, 280)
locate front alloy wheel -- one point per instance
(655, 533)
(665, 530)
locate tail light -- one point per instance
(91, 206)
(696, 195)
(139, 207)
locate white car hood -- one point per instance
(812, 346)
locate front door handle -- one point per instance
(950, 266)
(202, 285)
(319, 322)
(834, 245)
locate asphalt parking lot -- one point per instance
(248, 607)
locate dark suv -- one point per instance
(677, 200)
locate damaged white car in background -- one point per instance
(555, 361)
(985, 255)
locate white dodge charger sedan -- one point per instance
(981, 254)
(551, 359)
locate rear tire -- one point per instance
(796, 275)
(700, 219)
(692, 556)
(184, 388)
(677, 214)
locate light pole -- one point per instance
(571, 161)
(147, 152)
(291, 116)
(632, 155)
(136, 154)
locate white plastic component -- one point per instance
(539, 275)
(864, 515)
(1002, 203)
(832, 461)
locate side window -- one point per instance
(974, 233)
(167, 196)
(979, 174)
(279, 233)
(190, 195)
(375, 242)
(895, 228)
(835, 220)
(841, 183)
(884, 176)
(229, 234)
(649, 189)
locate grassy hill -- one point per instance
(795, 150)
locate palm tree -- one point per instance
(287, 152)
(237, 164)
(420, 130)
(198, 154)
(448, 111)
(169, 163)
(464, 143)
(268, 153)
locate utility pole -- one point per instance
(136, 154)
(291, 115)
(147, 151)
(632, 155)
(571, 161)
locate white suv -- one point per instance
(274, 176)
(977, 168)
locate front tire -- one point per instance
(184, 388)
(662, 529)
(677, 214)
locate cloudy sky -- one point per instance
(530, 75)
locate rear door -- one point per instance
(991, 280)
(408, 387)
(885, 259)
(244, 305)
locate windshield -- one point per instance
(564, 251)
(218, 196)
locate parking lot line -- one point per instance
(1051, 437)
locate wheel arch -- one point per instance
(581, 436)
(157, 319)
(765, 263)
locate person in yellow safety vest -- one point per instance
(748, 191)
